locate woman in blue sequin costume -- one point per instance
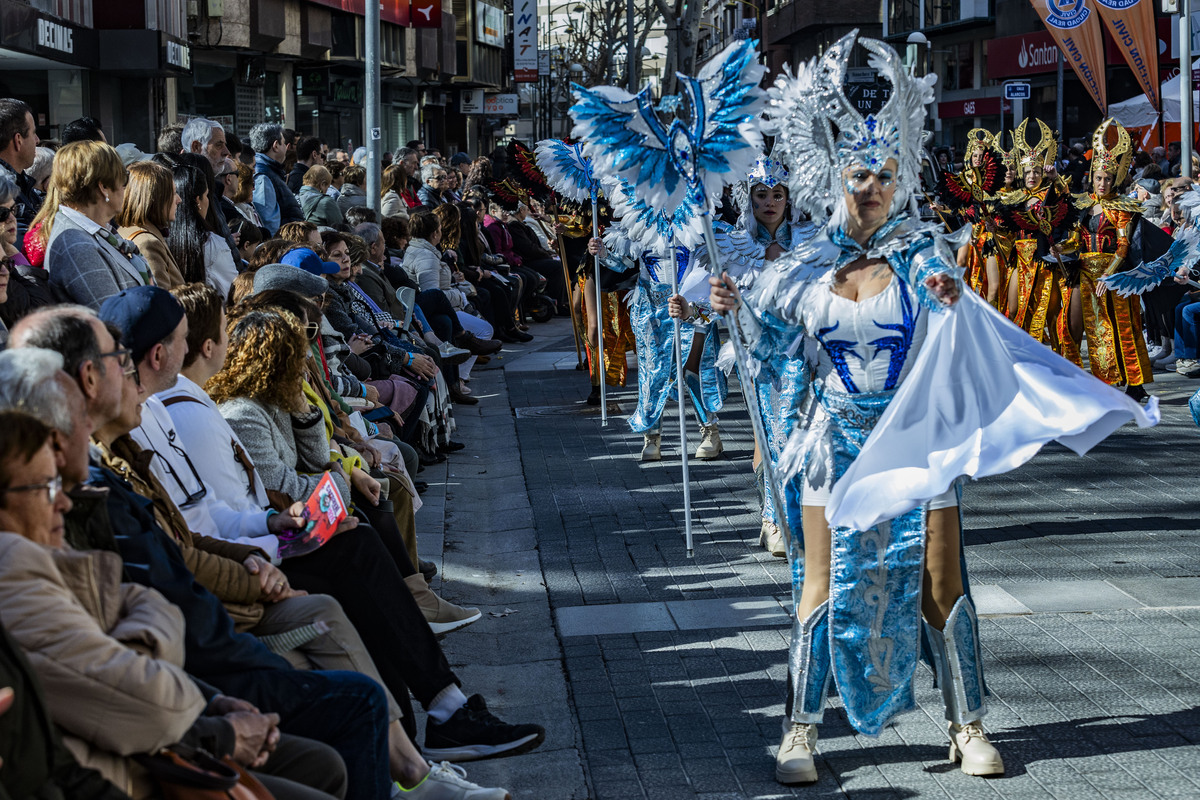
(901, 399)
(654, 332)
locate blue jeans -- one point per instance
(1187, 329)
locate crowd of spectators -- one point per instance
(199, 344)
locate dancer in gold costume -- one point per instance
(1114, 237)
(970, 195)
(1043, 294)
(618, 333)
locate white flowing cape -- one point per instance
(981, 399)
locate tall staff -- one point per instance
(681, 392)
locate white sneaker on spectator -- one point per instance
(446, 781)
(1156, 351)
(1182, 365)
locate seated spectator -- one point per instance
(341, 156)
(273, 200)
(111, 700)
(319, 208)
(248, 236)
(151, 204)
(424, 264)
(244, 194)
(354, 188)
(498, 303)
(537, 256)
(170, 139)
(84, 129)
(433, 176)
(39, 763)
(395, 181)
(479, 174)
(18, 151)
(87, 261)
(343, 709)
(227, 187)
(337, 175)
(304, 232)
(39, 172)
(205, 137)
(28, 287)
(308, 155)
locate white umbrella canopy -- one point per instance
(1136, 112)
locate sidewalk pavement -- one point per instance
(1087, 572)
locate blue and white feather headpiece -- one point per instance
(567, 169)
(820, 133)
(675, 168)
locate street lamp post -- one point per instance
(1185, 88)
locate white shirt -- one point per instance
(218, 264)
(228, 509)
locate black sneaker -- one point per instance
(474, 733)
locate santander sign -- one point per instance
(1017, 56)
(1036, 55)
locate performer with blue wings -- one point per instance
(905, 394)
(765, 230)
(653, 331)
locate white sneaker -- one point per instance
(1184, 364)
(969, 744)
(771, 539)
(794, 763)
(652, 447)
(1156, 351)
(446, 781)
(710, 443)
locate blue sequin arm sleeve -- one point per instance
(770, 342)
(929, 256)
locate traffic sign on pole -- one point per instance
(1017, 90)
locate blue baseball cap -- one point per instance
(310, 262)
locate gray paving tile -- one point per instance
(611, 618)
(1066, 596)
(1162, 592)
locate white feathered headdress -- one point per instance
(819, 133)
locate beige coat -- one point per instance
(153, 247)
(109, 654)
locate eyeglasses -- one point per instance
(6, 212)
(52, 488)
(133, 370)
(122, 356)
(313, 329)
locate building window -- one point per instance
(960, 67)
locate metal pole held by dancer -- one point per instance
(600, 368)
(681, 392)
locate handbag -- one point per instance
(183, 772)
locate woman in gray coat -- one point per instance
(87, 261)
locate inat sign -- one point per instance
(55, 36)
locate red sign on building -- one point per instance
(978, 107)
(393, 11)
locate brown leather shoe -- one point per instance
(477, 346)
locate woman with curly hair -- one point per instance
(479, 173)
